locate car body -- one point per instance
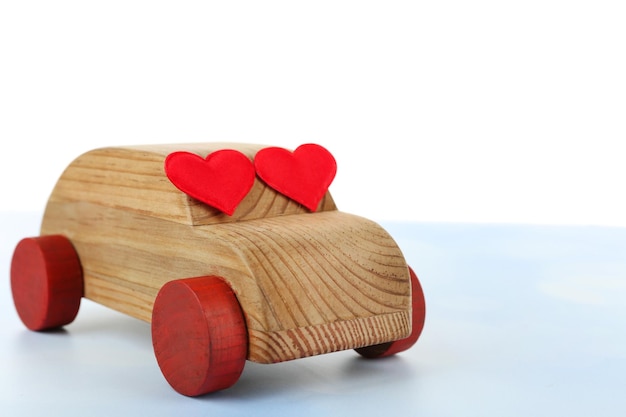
(306, 283)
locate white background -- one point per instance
(481, 111)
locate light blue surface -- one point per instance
(521, 321)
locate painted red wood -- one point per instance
(199, 335)
(46, 282)
(417, 318)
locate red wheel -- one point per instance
(418, 316)
(199, 335)
(46, 282)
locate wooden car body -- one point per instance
(307, 283)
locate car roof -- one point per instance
(133, 178)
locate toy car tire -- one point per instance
(46, 282)
(418, 317)
(199, 335)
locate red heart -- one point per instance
(303, 175)
(220, 180)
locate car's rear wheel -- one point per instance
(199, 335)
(46, 281)
(418, 317)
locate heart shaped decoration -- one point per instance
(303, 175)
(221, 180)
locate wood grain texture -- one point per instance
(308, 283)
(133, 179)
(418, 317)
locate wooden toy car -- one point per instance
(272, 282)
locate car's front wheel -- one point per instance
(199, 335)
